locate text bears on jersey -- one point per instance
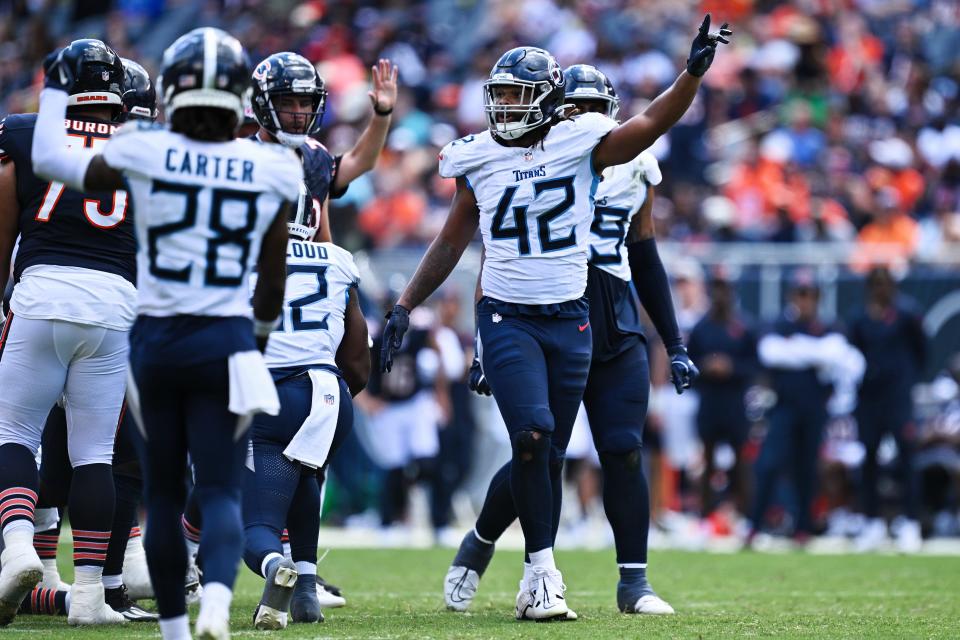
(297, 249)
(209, 166)
(539, 172)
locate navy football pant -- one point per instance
(184, 409)
(616, 402)
(280, 493)
(537, 368)
(876, 417)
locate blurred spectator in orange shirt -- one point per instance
(890, 239)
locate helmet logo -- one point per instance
(556, 74)
(262, 70)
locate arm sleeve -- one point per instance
(51, 155)
(650, 279)
(336, 193)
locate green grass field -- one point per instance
(396, 594)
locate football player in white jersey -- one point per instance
(623, 260)
(209, 208)
(528, 183)
(319, 358)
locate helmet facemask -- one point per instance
(511, 121)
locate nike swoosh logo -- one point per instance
(583, 327)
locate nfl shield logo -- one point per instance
(528, 156)
(329, 399)
(105, 75)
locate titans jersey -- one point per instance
(319, 279)
(536, 206)
(202, 211)
(619, 196)
(77, 255)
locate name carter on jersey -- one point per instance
(231, 169)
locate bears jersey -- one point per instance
(77, 254)
(619, 196)
(536, 207)
(203, 208)
(405, 379)
(319, 279)
(319, 169)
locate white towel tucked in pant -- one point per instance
(311, 444)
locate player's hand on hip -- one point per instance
(705, 46)
(398, 321)
(682, 370)
(59, 69)
(477, 381)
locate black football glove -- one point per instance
(398, 321)
(59, 68)
(478, 382)
(704, 46)
(682, 370)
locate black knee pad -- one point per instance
(529, 443)
(630, 460)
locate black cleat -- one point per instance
(118, 600)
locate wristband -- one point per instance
(379, 112)
(263, 328)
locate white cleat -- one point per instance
(545, 599)
(329, 600)
(88, 607)
(136, 576)
(192, 586)
(271, 612)
(460, 587)
(51, 577)
(652, 605)
(21, 572)
(909, 537)
(872, 538)
(213, 623)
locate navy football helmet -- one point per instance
(139, 95)
(98, 74)
(535, 77)
(281, 74)
(205, 68)
(586, 82)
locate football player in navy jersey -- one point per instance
(623, 261)
(209, 209)
(528, 184)
(67, 333)
(289, 99)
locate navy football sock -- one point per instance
(91, 514)
(474, 553)
(303, 520)
(166, 549)
(128, 493)
(221, 543)
(18, 484)
(498, 511)
(530, 484)
(556, 484)
(626, 501)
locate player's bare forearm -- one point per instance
(101, 177)
(323, 233)
(363, 157)
(635, 135)
(272, 268)
(437, 264)
(642, 227)
(445, 251)
(353, 356)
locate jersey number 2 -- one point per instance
(296, 306)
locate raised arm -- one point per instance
(363, 156)
(442, 256)
(639, 132)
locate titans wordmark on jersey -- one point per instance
(619, 196)
(319, 279)
(202, 210)
(536, 207)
